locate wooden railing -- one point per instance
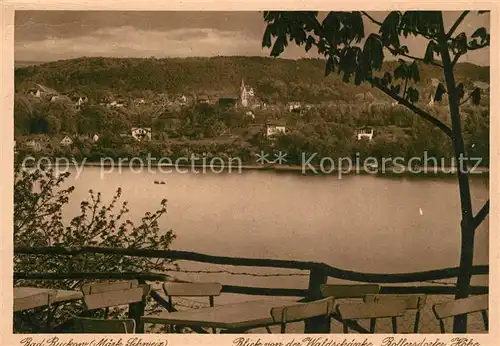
(318, 273)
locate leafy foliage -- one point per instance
(39, 200)
(338, 37)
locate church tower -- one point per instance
(243, 94)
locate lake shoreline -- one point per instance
(305, 170)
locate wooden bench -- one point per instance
(34, 301)
(414, 302)
(112, 294)
(192, 289)
(373, 311)
(463, 306)
(303, 311)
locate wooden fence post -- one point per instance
(317, 277)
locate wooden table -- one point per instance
(234, 318)
(60, 295)
(24, 294)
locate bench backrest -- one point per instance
(414, 302)
(113, 298)
(108, 286)
(300, 312)
(373, 310)
(478, 303)
(192, 289)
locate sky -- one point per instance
(56, 35)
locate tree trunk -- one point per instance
(467, 229)
(464, 275)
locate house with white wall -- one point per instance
(273, 129)
(141, 133)
(364, 133)
(33, 144)
(66, 141)
(294, 106)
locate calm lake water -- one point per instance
(361, 223)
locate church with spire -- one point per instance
(246, 95)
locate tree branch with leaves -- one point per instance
(339, 38)
(39, 201)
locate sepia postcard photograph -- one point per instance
(253, 172)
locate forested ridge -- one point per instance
(301, 78)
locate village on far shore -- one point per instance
(247, 102)
(91, 117)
